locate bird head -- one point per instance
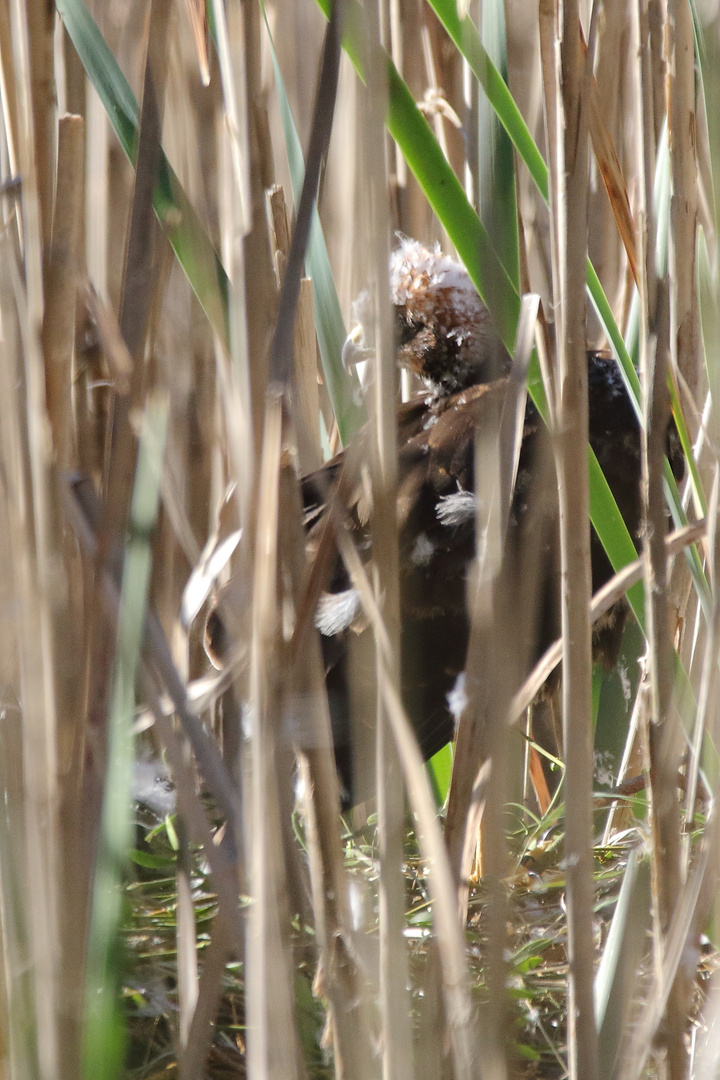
(444, 331)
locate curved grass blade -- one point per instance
(411, 131)
(175, 213)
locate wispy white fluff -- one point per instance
(337, 611)
(456, 509)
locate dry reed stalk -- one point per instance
(268, 975)
(707, 719)
(259, 281)
(497, 455)
(569, 80)
(197, 16)
(40, 18)
(708, 728)
(75, 81)
(64, 262)
(608, 163)
(691, 911)
(26, 468)
(409, 209)
(525, 75)
(447, 64)
(61, 283)
(272, 1038)
(306, 381)
(657, 10)
(394, 41)
(8, 90)
(139, 294)
(601, 602)
(305, 398)
(99, 238)
(36, 554)
(432, 96)
(16, 997)
(19, 1025)
(394, 966)
(339, 976)
(234, 379)
(454, 984)
(476, 733)
(683, 202)
(480, 787)
(664, 736)
(182, 351)
(192, 1059)
(610, 90)
(489, 678)
(186, 937)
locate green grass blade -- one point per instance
(466, 38)
(443, 190)
(617, 970)
(439, 769)
(612, 530)
(494, 164)
(103, 1041)
(181, 225)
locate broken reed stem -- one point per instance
(61, 283)
(41, 24)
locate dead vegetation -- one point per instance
(178, 891)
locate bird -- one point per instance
(444, 335)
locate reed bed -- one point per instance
(192, 197)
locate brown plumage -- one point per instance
(444, 335)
